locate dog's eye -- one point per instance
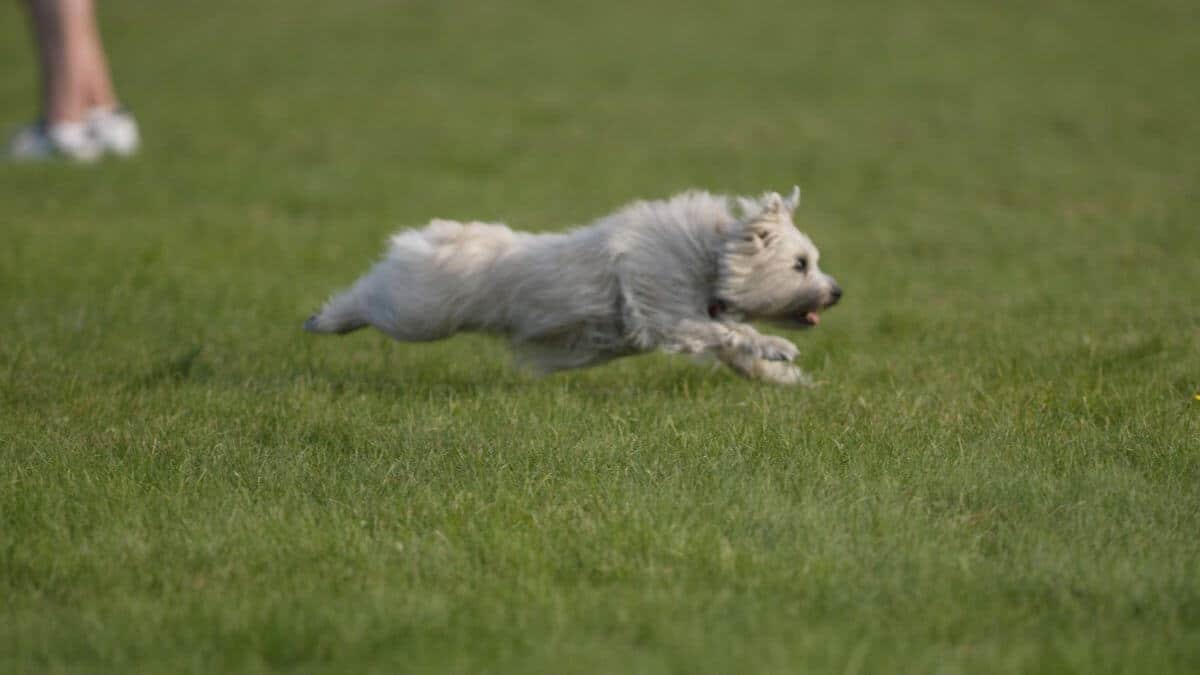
(801, 264)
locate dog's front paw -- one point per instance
(774, 348)
(781, 372)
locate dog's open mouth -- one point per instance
(808, 319)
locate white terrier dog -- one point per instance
(680, 275)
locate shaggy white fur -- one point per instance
(680, 275)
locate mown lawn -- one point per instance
(999, 472)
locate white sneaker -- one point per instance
(71, 140)
(115, 130)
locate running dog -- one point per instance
(681, 275)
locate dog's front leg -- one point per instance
(766, 347)
(779, 372)
(742, 348)
(763, 357)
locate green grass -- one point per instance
(1000, 471)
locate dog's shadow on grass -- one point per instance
(639, 377)
(415, 374)
(177, 367)
(404, 384)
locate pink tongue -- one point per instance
(812, 318)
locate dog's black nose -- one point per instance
(835, 294)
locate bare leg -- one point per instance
(98, 81)
(74, 68)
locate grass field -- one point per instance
(999, 472)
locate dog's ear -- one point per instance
(793, 199)
(772, 204)
(763, 216)
(761, 231)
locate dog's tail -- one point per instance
(342, 314)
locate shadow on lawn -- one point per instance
(390, 373)
(637, 377)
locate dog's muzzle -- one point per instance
(835, 294)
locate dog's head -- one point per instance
(769, 269)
